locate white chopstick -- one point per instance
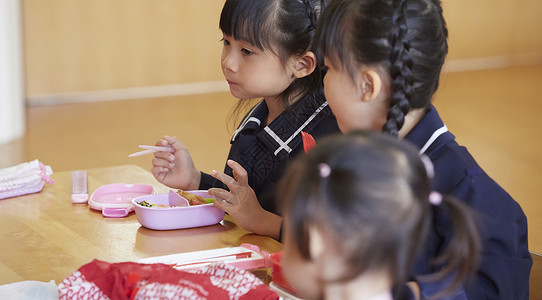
(151, 149)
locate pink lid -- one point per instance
(119, 196)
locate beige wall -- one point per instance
(80, 45)
(486, 28)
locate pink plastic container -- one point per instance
(159, 218)
(115, 200)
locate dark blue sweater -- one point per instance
(505, 261)
(265, 151)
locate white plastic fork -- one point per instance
(151, 149)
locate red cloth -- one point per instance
(308, 141)
(128, 280)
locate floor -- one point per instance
(496, 113)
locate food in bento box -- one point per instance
(192, 199)
(147, 204)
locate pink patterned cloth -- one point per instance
(24, 178)
(128, 280)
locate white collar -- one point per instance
(433, 138)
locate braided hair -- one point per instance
(407, 37)
(400, 70)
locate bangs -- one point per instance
(250, 21)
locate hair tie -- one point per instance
(435, 198)
(325, 170)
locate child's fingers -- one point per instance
(223, 198)
(163, 155)
(173, 142)
(226, 179)
(240, 174)
(163, 163)
(159, 173)
(162, 143)
(165, 141)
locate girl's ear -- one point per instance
(371, 84)
(304, 64)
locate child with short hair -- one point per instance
(384, 59)
(357, 210)
(266, 54)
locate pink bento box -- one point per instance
(159, 218)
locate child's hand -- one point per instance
(176, 170)
(241, 203)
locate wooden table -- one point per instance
(45, 237)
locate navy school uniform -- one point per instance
(264, 151)
(505, 263)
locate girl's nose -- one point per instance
(229, 62)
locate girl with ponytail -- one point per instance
(383, 61)
(357, 209)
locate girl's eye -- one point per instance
(247, 52)
(225, 41)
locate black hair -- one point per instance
(285, 27)
(373, 202)
(407, 37)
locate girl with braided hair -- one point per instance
(266, 54)
(384, 59)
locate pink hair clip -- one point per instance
(325, 170)
(435, 198)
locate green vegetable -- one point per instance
(146, 204)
